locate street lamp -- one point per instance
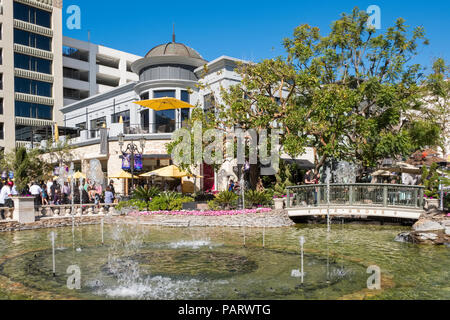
(133, 149)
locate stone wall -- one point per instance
(43, 223)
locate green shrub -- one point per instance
(145, 193)
(138, 204)
(225, 200)
(170, 201)
(255, 198)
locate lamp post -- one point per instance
(133, 149)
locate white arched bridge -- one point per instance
(356, 201)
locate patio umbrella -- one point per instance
(161, 104)
(56, 133)
(382, 173)
(79, 175)
(169, 172)
(123, 175)
(403, 167)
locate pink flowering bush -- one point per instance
(209, 213)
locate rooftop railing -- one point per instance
(374, 195)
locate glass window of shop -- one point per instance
(185, 112)
(165, 120)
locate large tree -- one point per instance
(346, 94)
(436, 108)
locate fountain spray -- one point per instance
(302, 243)
(102, 227)
(264, 236)
(328, 178)
(52, 235)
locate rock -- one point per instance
(427, 236)
(428, 225)
(404, 237)
(447, 231)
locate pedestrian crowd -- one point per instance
(53, 193)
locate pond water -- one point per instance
(156, 263)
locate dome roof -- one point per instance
(173, 49)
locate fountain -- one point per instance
(52, 237)
(102, 230)
(157, 263)
(345, 173)
(302, 243)
(327, 180)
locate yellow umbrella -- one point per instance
(56, 133)
(79, 175)
(169, 172)
(161, 104)
(123, 175)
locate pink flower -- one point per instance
(201, 213)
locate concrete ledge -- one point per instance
(358, 212)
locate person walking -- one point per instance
(66, 193)
(5, 197)
(44, 194)
(109, 197)
(36, 192)
(111, 186)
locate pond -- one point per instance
(156, 263)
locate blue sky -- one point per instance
(251, 30)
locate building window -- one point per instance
(97, 124)
(115, 118)
(75, 53)
(32, 15)
(145, 96)
(1, 81)
(33, 110)
(2, 131)
(185, 112)
(26, 62)
(81, 126)
(32, 40)
(1, 105)
(1, 56)
(34, 87)
(164, 120)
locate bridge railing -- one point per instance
(382, 195)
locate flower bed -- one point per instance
(209, 213)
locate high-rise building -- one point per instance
(31, 71)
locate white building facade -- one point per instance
(89, 69)
(169, 70)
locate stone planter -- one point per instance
(24, 209)
(431, 203)
(279, 204)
